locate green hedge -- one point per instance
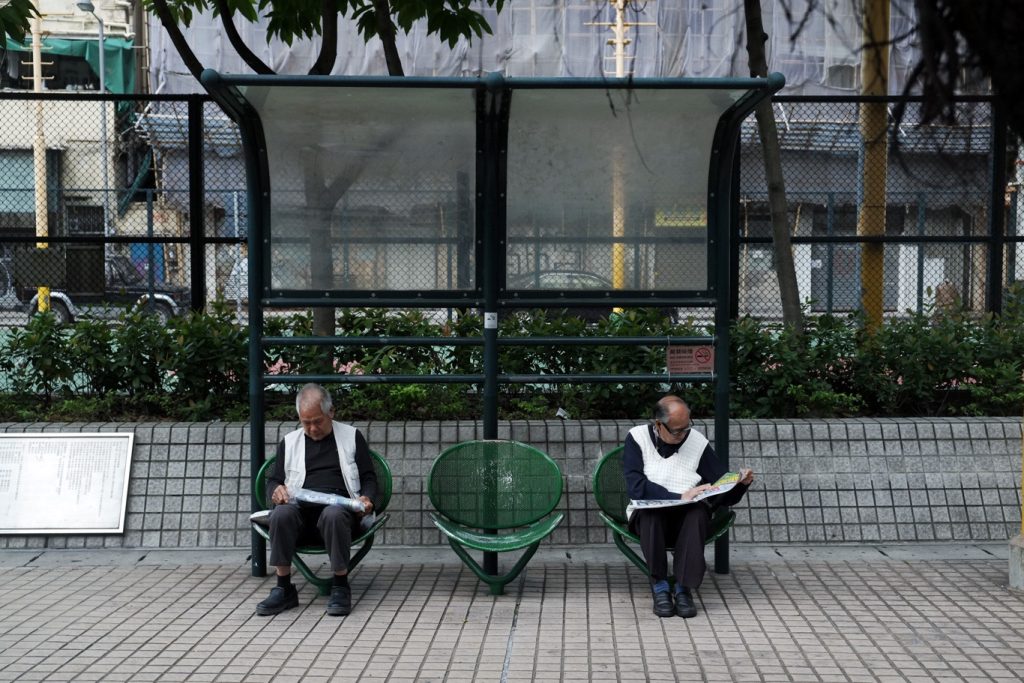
(195, 368)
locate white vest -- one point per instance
(295, 458)
(678, 472)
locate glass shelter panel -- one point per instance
(608, 189)
(371, 188)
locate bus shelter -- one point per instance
(488, 194)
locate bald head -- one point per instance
(668, 406)
(672, 419)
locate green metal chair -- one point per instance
(495, 496)
(610, 492)
(312, 544)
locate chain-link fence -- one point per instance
(105, 205)
(881, 223)
(113, 201)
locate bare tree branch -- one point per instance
(789, 293)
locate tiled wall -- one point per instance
(857, 480)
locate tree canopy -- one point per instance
(14, 18)
(450, 20)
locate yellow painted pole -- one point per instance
(873, 128)
(619, 28)
(39, 154)
(618, 181)
(618, 221)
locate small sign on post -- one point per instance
(690, 360)
(64, 483)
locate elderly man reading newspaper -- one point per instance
(674, 481)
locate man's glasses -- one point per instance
(682, 431)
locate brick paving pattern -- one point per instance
(773, 618)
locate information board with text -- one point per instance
(64, 483)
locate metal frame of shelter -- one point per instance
(255, 102)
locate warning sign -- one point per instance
(689, 360)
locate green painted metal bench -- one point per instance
(610, 492)
(311, 543)
(495, 496)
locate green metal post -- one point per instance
(257, 173)
(257, 445)
(488, 156)
(719, 229)
(196, 205)
(487, 195)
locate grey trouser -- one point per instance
(684, 529)
(292, 524)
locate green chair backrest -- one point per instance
(610, 485)
(494, 484)
(380, 466)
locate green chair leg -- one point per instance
(496, 583)
(323, 586)
(631, 555)
(720, 524)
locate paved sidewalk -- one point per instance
(817, 613)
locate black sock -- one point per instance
(341, 580)
(284, 581)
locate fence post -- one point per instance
(734, 243)
(997, 213)
(196, 196)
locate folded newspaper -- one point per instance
(263, 516)
(725, 483)
(310, 496)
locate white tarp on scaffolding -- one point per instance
(694, 38)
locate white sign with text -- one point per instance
(64, 483)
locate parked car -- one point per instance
(124, 286)
(576, 280)
(559, 280)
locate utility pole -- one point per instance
(875, 152)
(619, 40)
(39, 155)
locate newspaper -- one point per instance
(310, 496)
(725, 483)
(306, 495)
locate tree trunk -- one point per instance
(321, 263)
(321, 275)
(386, 31)
(326, 197)
(785, 269)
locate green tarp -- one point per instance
(118, 53)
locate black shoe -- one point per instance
(278, 601)
(340, 602)
(684, 604)
(663, 604)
